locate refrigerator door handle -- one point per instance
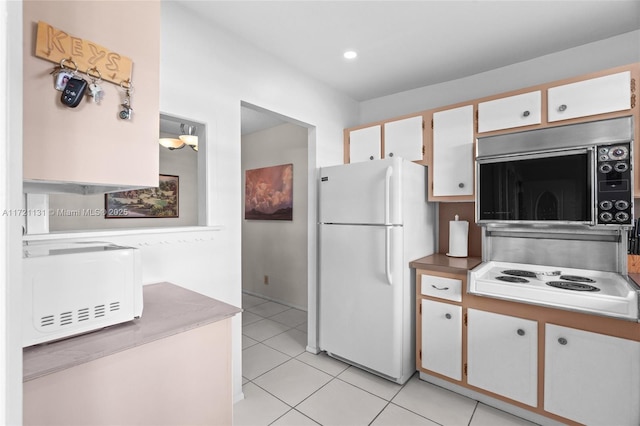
(387, 195)
(387, 253)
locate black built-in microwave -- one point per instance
(576, 174)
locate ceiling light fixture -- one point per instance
(350, 54)
(188, 137)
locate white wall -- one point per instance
(609, 53)
(277, 249)
(227, 72)
(10, 199)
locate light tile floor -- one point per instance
(285, 385)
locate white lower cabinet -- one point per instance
(591, 378)
(442, 338)
(502, 355)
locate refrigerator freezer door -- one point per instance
(361, 314)
(364, 193)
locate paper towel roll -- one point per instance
(458, 238)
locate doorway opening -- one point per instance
(278, 256)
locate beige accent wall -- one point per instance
(89, 143)
(180, 380)
(277, 249)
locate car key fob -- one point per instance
(73, 92)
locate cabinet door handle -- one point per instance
(461, 185)
(562, 107)
(391, 154)
(447, 316)
(521, 332)
(563, 341)
(371, 158)
(526, 114)
(439, 288)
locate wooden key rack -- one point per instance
(56, 45)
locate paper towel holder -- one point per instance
(458, 238)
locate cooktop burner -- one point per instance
(512, 279)
(567, 285)
(519, 273)
(576, 278)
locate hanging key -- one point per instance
(126, 112)
(95, 89)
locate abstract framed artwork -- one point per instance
(269, 193)
(159, 202)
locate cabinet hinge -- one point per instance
(420, 308)
(420, 354)
(432, 123)
(465, 369)
(423, 125)
(465, 319)
(633, 101)
(423, 150)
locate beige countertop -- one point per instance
(443, 263)
(168, 310)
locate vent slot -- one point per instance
(47, 320)
(83, 314)
(99, 311)
(66, 318)
(78, 318)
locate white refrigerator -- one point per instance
(373, 220)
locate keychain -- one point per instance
(62, 73)
(127, 111)
(73, 92)
(95, 90)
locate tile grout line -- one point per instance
(333, 377)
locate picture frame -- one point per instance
(157, 202)
(269, 193)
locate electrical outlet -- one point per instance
(266, 279)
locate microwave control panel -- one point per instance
(614, 192)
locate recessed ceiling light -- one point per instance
(350, 54)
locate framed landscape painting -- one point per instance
(158, 202)
(269, 193)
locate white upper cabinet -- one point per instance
(453, 152)
(403, 138)
(591, 378)
(442, 338)
(364, 144)
(590, 97)
(502, 355)
(513, 111)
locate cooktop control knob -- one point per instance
(621, 167)
(620, 205)
(622, 216)
(605, 168)
(606, 217)
(606, 205)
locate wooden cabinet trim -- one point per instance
(634, 92)
(543, 315)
